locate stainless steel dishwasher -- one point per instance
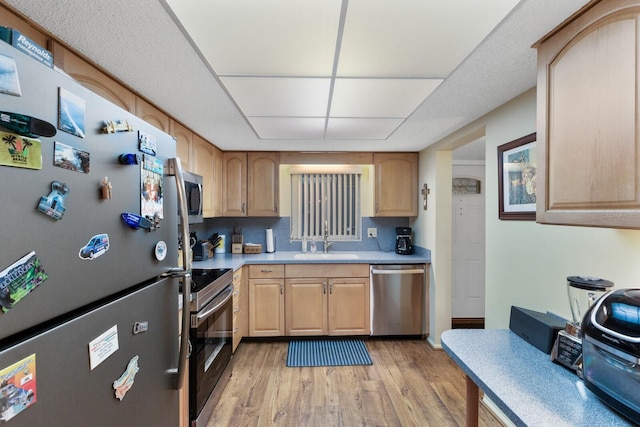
(398, 300)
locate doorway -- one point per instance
(468, 238)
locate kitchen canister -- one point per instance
(220, 248)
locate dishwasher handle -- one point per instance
(393, 271)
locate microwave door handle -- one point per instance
(176, 168)
(200, 200)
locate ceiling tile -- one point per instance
(414, 38)
(365, 128)
(265, 38)
(272, 96)
(288, 127)
(396, 98)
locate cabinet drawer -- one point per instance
(327, 270)
(266, 271)
(237, 277)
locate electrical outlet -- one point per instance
(372, 232)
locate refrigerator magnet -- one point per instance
(19, 279)
(160, 250)
(20, 151)
(53, 204)
(123, 384)
(95, 247)
(147, 143)
(18, 387)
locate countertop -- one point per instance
(524, 383)
(235, 261)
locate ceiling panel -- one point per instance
(273, 96)
(395, 98)
(414, 38)
(365, 128)
(288, 127)
(263, 37)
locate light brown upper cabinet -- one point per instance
(152, 115)
(92, 78)
(184, 143)
(203, 164)
(588, 108)
(251, 184)
(396, 184)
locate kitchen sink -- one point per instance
(328, 255)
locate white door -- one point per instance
(468, 256)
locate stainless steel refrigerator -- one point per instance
(88, 323)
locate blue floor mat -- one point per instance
(327, 353)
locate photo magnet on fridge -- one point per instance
(9, 82)
(71, 113)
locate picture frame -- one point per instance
(517, 168)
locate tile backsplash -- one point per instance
(253, 231)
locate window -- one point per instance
(322, 198)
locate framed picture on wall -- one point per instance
(517, 179)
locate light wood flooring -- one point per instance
(409, 384)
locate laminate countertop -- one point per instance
(235, 261)
(523, 381)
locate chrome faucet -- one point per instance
(327, 243)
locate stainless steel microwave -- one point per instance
(193, 192)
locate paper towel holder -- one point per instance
(270, 240)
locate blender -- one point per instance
(583, 292)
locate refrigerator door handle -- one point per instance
(175, 168)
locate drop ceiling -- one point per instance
(313, 75)
(334, 69)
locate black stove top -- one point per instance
(206, 283)
(203, 277)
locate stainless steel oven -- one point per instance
(210, 336)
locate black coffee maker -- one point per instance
(403, 241)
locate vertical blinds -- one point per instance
(331, 198)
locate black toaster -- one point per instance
(611, 351)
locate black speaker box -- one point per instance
(538, 329)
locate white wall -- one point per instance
(526, 263)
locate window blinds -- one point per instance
(331, 198)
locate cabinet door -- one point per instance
(217, 182)
(306, 307)
(184, 143)
(263, 190)
(588, 135)
(234, 185)
(239, 307)
(349, 306)
(152, 115)
(93, 79)
(396, 184)
(266, 307)
(203, 165)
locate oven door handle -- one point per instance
(217, 302)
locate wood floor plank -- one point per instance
(409, 384)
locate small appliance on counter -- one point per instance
(403, 241)
(611, 351)
(583, 293)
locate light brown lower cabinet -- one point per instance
(336, 302)
(266, 300)
(327, 306)
(309, 300)
(240, 304)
